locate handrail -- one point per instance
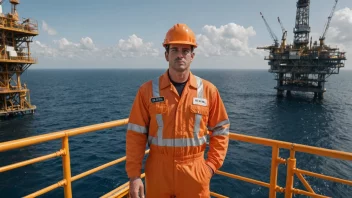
(14, 144)
(291, 165)
(64, 135)
(296, 147)
(18, 59)
(276, 145)
(27, 25)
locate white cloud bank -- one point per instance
(65, 48)
(86, 49)
(221, 45)
(132, 47)
(340, 31)
(229, 39)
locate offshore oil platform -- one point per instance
(303, 66)
(15, 58)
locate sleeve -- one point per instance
(136, 137)
(218, 126)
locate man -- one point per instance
(174, 113)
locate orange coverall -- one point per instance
(175, 129)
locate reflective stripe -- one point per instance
(221, 131)
(199, 87)
(219, 125)
(159, 118)
(136, 128)
(198, 117)
(156, 87)
(196, 129)
(177, 142)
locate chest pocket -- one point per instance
(197, 109)
(198, 119)
(157, 111)
(158, 108)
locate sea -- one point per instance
(70, 98)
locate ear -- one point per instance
(166, 56)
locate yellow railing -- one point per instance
(291, 165)
(19, 59)
(64, 152)
(27, 25)
(122, 190)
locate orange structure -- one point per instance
(122, 191)
(15, 58)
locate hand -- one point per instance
(136, 188)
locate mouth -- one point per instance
(180, 61)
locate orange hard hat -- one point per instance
(180, 34)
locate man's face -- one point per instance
(179, 57)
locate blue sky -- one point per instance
(86, 34)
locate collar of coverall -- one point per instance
(165, 81)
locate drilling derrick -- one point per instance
(15, 58)
(301, 66)
(302, 29)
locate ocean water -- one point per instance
(73, 98)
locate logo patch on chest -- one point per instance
(157, 99)
(200, 101)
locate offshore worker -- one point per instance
(174, 113)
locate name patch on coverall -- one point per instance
(157, 99)
(200, 101)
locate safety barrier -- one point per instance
(18, 59)
(10, 23)
(122, 191)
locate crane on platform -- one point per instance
(322, 38)
(273, 36)
(284, 34)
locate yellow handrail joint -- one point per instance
(305, 183)
(281, 160)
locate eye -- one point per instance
(186, 51)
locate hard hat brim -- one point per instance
(180, 42)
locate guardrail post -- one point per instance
(66, 164)
(291, 164)
(273, 174)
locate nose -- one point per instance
(180, 54)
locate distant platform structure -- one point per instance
(303, 66)
(15, 58)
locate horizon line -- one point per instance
(153, 68)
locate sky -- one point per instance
(129, 33)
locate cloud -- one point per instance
(85, 49)
(132, 47)
(87, 43)
(65, 48)
(43, 50)
(48, 29)
(229, 39)
(340, 30)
